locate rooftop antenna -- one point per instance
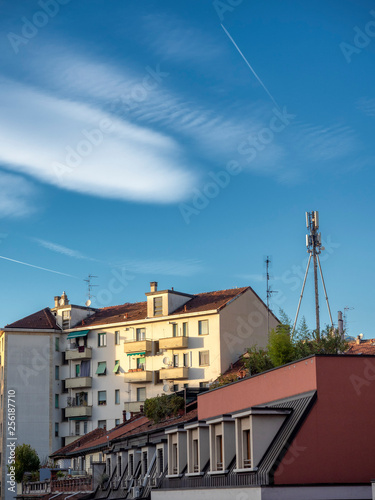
(90, 286)
(314, 248)
(269, 291)
(346, 309)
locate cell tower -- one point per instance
(314, 248)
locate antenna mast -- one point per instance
(346, 309)
(269, 291)
(314, 248)
(90, 286)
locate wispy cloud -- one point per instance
(36, 267)
(54, 247)
(166, 267)
(367, 106)
(17, 195)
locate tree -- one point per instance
(157, 409)
(257, 360)
(26, 460)
(280, 346)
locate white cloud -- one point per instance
(17, 196)
(54, 247)
(47, 137)
(367, 106)
(167, 267)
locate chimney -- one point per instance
(340, 324)
(153, 286)
(57, 299)
(358, 340)
(64, 298)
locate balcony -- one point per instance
(173, 343)
(78, 354)
(174, 373)
(134, 406)
(78, 411)
(138, 376)
(135, 346)
(78, 382)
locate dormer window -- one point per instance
(65, 319)
(158, 306)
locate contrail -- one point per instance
(37, 267)
(248, 64)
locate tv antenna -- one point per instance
(314, 248)
(346, 309)
(269, 291)
(90, 286)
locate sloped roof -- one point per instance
(366, 346)
(137, 311)
(81, 441)
(41, 320)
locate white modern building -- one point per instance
(74, 369)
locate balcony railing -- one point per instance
(37, 487)
(134, 406)
(78, 353)
(78, 411)
(173, 343)
(247, 463)
(81, 484)
(138, 375)
(78, 382)
(174, 373)
(133, 346)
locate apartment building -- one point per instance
(74, 369)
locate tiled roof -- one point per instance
(81, 441)
(365, 347)
(41, 320)
(136, 425)
(137, 311)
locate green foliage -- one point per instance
(280, 346)
(224, 380)
(157, 409)
(26, 460)
(257, 360)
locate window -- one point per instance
(246, 449)
(78, 370)
(102, 368)
(131, 464)
(117, 396)
(77, 428)
(141, 333)
(117, 338)
(56, 429)
(116, 369)
(85, 428)
(175, 360)
(204, 358)
(102, 339)
(219, 453)
(160, 462)
(174, 459)
(57, 401)
(102, 424)
(195, 456)
(184, 329)
(175, 387)
(57, 344)
(119, 465)
(204, 385)
(141, 363)
(117, 421)
(203, 327)
(185, 386)
(57, 372)
(144, 463)
(174, 329)
(65, 319)
(141, 394)
(102, 398)
(158, 306)
(186, 359)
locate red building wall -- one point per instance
(277, 384)
(336, 444)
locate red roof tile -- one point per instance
(41, 320)
(365, 347)
(81, 441)
(137, 311)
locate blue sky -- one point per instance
(137, 145)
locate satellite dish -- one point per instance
(166, 388)
(88, 303)
(166, 360)
(323, 248)
(360, 335)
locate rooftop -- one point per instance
(41, 320)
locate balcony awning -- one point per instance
(75, 335)
(136, 353)
(117, 367)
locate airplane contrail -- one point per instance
(37, 267)
(249, 65)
